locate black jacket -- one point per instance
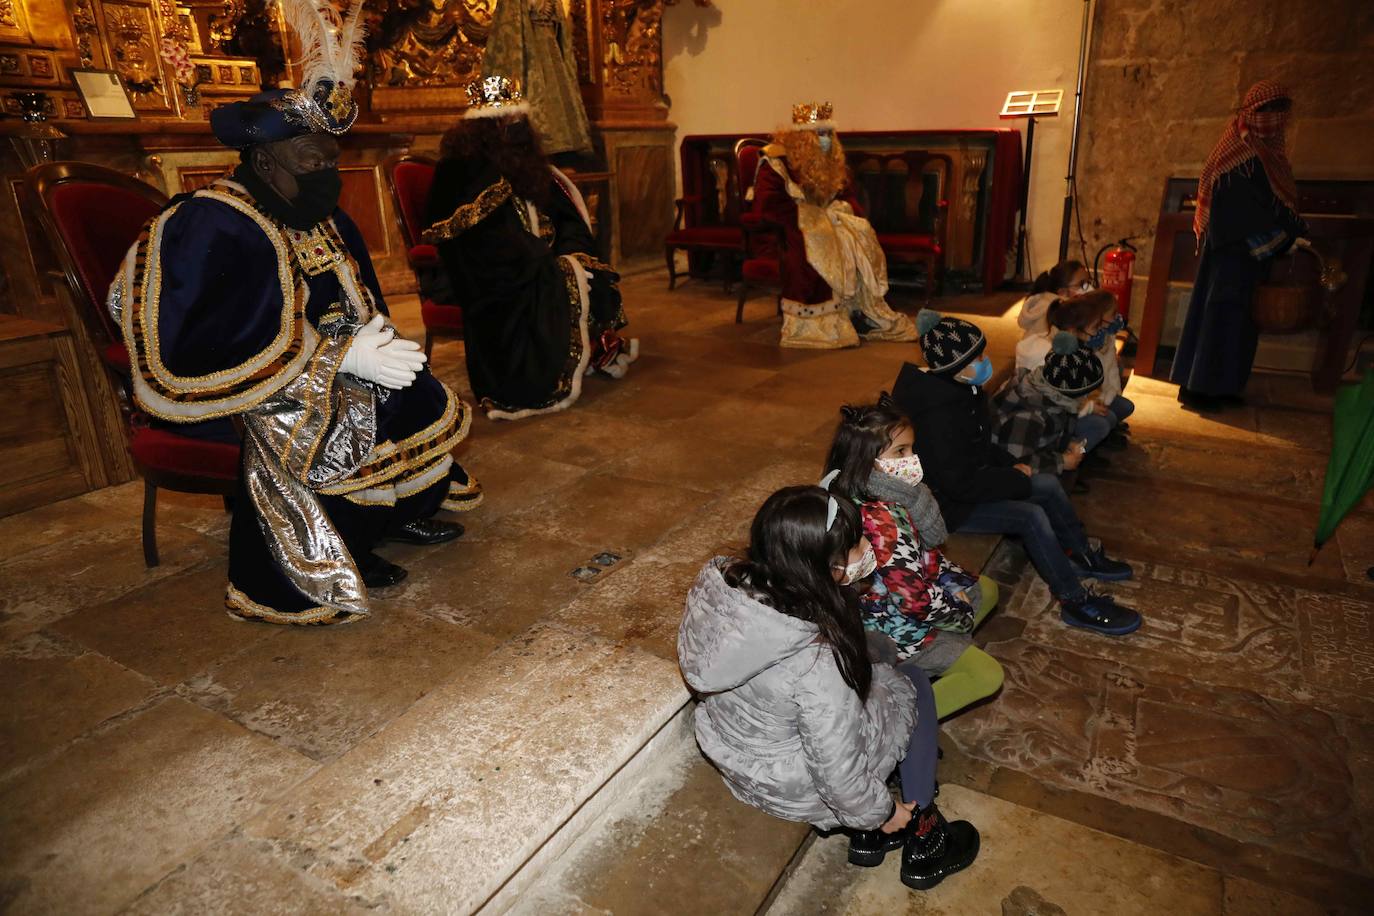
(954, 441)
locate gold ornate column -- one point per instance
(619, 45)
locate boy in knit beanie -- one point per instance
(983, 489)
(1036, 415)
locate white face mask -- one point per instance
(862, 569)
(825, 140)
(907, 470)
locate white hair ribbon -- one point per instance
(832, 508)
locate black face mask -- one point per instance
(317, 195)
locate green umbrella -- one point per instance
(1350, 472)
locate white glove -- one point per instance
(377, 355)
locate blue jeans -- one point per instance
(1047, 525)
(917, 768)
(1095, 427)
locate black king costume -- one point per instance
(230, 310)
(540, 309)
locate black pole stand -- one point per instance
(1070, 179)
(1020, 278)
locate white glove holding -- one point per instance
(378, 355)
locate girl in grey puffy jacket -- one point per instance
(792, 712)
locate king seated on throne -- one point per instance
(834, 273)
(255, 299)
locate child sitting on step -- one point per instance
(928, 605)
(1092, 317)
(983, 490)
(795, 715)
(1036, 415)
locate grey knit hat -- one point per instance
(948, 344)
(1072, 369)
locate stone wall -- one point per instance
(1164, 75)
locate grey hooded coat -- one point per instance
(776, 717)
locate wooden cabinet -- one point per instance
(48, 446)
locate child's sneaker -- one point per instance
(1099, 613)
(1095, 564)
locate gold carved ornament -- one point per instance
(430, 42)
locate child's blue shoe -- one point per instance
(1095, 564)
(1099, 613)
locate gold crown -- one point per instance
(494, 92)
(812, 112)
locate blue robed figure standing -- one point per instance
(1247, 214)
(255, 299)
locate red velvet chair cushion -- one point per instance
(763, 269)
(423, 256)
(98, 223)
(707, 236)
(413, 181)
(169, 452)
(439, 317)
(908, 243)
(747, 164)
(117, 358)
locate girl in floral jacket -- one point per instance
(927, 604)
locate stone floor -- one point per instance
(157, 756)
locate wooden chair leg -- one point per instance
(228, 503)
(670, 255)
(149, 524)
(743, 294)
(429, 343)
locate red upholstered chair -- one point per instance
(410, 178)
(91, 215)
(707, 222)
(891, 187)
(764, 242)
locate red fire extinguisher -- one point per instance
(1116, 275)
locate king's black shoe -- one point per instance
(380, 573)
(936, 849)
(426, 531)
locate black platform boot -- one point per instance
(936, 849)
(868, 848)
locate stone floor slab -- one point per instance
(55, 691)
(1025, 858)
(435, 812)
(1253, 767)
(680, 842)
(320, 694)
(121, 809)
(170, 630)
(236, 876)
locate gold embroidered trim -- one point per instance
(148, 295)
(245, 608)
(392, 459)
(317, 250)
(469, 214)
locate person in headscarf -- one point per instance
(255, 298)
(834, 275)
(1247, 214)
(540, 308)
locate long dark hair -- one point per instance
(864, 432)
(511, 144)
(1077, 312)
(1057, 277)
(788, 567)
